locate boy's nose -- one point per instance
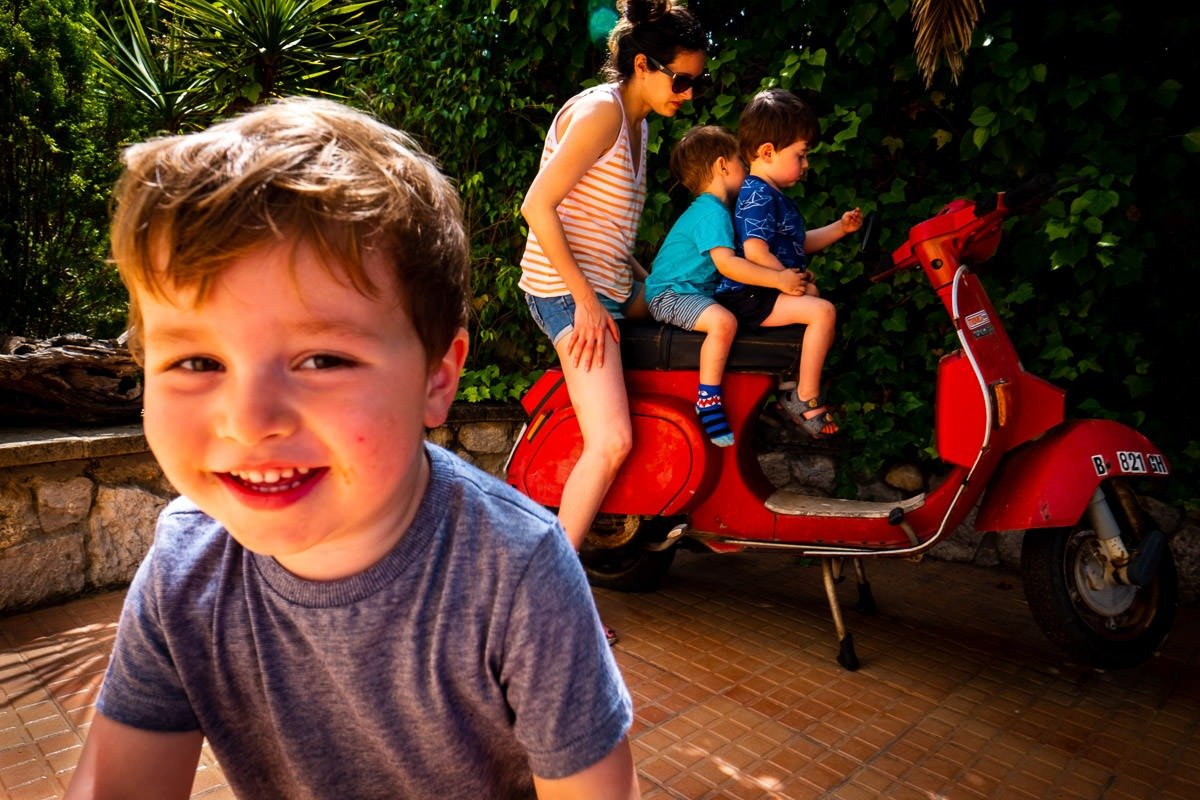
(256, 408)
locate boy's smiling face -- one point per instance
(291, 407)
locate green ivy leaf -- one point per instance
(982, 117)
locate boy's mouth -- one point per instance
(273, 481)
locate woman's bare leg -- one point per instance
(602, 408)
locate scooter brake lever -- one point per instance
(869, 246)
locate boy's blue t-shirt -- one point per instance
(764, 212)
(683, 263)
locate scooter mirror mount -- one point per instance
(870, 249)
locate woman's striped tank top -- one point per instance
(600, 216)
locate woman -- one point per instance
(578, 271)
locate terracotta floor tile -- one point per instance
(737, 694)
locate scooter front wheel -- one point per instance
(615, 553)
(1082, 610)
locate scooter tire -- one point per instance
(622, 562)
(1111, 627)
(643, 572)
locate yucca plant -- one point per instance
(139, 53)
(253, 50)
(190, 61)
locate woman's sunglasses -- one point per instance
(680, 82)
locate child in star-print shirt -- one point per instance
(774, 134)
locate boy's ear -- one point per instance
(765, 151)
(442, 381)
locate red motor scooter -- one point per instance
(1099, 576)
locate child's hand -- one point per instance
(851, 221)
(793, 282)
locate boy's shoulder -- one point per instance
(705, 205)
(706, 200)
(472, 487)
(702, 213)
(752, 184)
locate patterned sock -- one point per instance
(712, 415)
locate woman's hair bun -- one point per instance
(640, 12)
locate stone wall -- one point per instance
(78, 506)
(77, 511)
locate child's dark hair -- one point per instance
(692, 158)
(776, 117)
(299, 169)
(658, 28)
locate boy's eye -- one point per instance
(325, 361)
(197, 364)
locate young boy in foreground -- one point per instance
(342, 609)
(775, 131)
(697, 251)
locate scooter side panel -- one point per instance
(1048, 483)
(661, 474)
(961, 415)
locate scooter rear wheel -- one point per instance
(1103, 624)
(614, 554)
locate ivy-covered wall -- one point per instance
(1094, 286)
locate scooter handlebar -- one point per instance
(870, 250)
(1019, 199)
(1035, 190)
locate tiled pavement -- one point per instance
(737, 694)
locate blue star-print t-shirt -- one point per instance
(763, 212)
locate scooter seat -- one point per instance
(653, 345)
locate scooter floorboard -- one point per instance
(792, 503)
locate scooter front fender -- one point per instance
(1049, 482)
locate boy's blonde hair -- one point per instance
(692, 158)
(776, 117)
(301, 169)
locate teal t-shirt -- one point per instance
(683, 263)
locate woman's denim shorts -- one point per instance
(556, 315)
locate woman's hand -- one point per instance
(586, 342)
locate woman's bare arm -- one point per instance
(587, 131)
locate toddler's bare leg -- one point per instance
(720, 326)
(820, 317)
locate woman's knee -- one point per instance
(608, 448)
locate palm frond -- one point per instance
(943, 30)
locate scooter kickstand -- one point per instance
(846, 655)
(866, 598)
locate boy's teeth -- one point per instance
(270, 475)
